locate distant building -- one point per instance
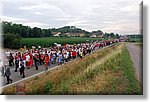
(75, 34)
(81, 34)
(100, 36)
(56, 33)
(93, 36)
(68, 34)
(123, 38)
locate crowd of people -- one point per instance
(57, 54)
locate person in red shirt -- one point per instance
(24, 59)
(31, 60)
(46, 60)
(19, 55)
(74, 54)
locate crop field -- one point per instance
(106, 71)
(49, 41)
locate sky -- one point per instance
(118, 16)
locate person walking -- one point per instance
(74, 54)
(46, 60)
(22, 68)
(60, 59)
(7, 74)
(11, 59)
(7, 53)
(31, 59)
(2, 68)
(24, 59)
(36, 61)
(27, 61)
(16, 62)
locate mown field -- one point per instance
(107, 71)
(49, 41)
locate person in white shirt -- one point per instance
(7, 53)
(66, 55)
(2, 68)
(27, 61)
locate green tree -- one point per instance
(11, 41)
(46, 32)
(36, 32)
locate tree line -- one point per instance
(28, 32)
(12, 33)
(24, 31)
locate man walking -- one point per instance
(7, 74)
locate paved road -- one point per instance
(28, 73)
(136, 57)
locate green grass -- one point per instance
(49, 41)
(134, 86)
(135, 39)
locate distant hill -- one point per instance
(36, 32)
(70, 29)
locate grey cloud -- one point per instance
(110, 15)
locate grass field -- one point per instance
(107, 71)
(135, 39)
(140, 45)
(49, 41)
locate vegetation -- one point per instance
(49, 41)
(135, 38)
(106, 71)
(11, 41)
(140, 45)
(28, 32)
(24, 31)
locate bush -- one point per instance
(11, 41)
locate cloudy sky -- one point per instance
(119, 16)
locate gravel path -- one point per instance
(136, 57)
